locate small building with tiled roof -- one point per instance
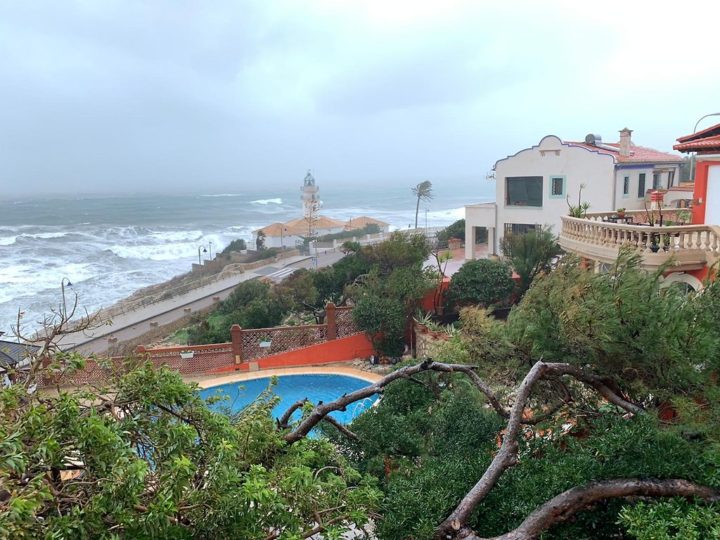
(14, 356)
(361, 222)
(535, 186)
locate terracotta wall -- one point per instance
(337, 350)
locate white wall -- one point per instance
(553, 158)
(632, 201)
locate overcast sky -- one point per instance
(125, 96)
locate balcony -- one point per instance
(683, 247)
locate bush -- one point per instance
(481, 282)
(236, 245)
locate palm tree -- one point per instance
(423, 192)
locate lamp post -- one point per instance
(62, 288)
(692, 160)
(204, 250)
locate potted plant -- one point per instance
(620, 213)
(187, 355)
(685, 216)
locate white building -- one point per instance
(535, 185)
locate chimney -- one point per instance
(625, 141)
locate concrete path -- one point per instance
(134, 323)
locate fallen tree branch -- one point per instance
(342, 429)
(323, 409)
(284, 421)
(454, 525)
(570, 502)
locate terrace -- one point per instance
(600, 235)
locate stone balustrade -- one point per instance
(683, 247)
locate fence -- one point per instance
(247, 345)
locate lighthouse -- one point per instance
(310, 199)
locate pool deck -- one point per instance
(206, 381)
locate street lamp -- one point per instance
(62, 288)
(692, 161)
(204, 250)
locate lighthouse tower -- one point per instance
(310, 198)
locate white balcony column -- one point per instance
(491, 241)
(470, 237)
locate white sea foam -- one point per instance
(268, 201)
(222, 195)
(46, 235)
(26, 279)
(7, 240)
(176, 236)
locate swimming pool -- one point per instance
(291, 388)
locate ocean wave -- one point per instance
(46, 235)
(23, 279)
(7, 240)
(222, 195)
(267, 201)
(176, 236)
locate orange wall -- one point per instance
(701, 179)
(336, 350)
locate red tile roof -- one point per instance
(705, 141)
(708, 144)
(707, 132)
(638, 154)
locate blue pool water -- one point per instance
(291, 388)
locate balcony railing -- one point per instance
(686, 247)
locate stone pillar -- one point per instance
(491, 241)
(331, 321)
(236, 337)
(469, 241)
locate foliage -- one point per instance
(238, 244)
(260, 241)
(481, 282)
(370, 228)
(580, 209)
(422, 192)
(455, 230)
(384, 319)
(530, 254)
(646, 338)
(252, 304)
(148, 458)
(389, 294)
(676, 519)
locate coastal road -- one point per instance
(134, 323)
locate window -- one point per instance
(518, 228)
(523, 191)
(626, 186)
(656, 180)
(641, 186)
(671, 179)
(557, 187)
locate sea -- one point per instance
(108, 247)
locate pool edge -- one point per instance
(211, 381)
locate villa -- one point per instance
(535, 186)
(686, 241)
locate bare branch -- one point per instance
(568, 503)
(342, 429)
(507, 455)
(284, 421)
(323, 409)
